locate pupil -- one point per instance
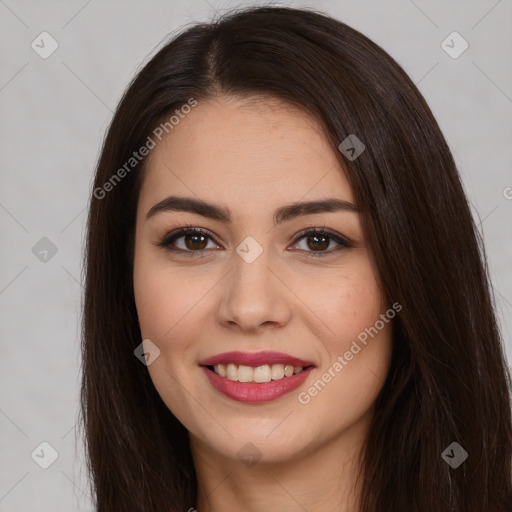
(316, 238)
(193, 238)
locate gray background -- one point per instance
(54, 115)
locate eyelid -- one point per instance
(332, 234)
(183, 231)
(170, 237)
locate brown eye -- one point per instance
(317, 242)
(195, 241)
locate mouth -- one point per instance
(256, 377)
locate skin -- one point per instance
(252, 157)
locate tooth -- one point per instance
(277, 371)
(232, 372)
(262, 374)
(245, 373)
(259, 374)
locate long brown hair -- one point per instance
(448, 381)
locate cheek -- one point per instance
(162, 298)
(347, 306)
(352, 311)
(152, 301)
(358, 356)
(165, 307)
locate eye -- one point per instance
(195, 241)
(317, 240)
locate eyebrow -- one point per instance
(282, 214)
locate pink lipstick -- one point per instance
(282, 383)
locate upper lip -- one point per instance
(254, 359)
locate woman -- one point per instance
(287, 304)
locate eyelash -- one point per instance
(190, 230)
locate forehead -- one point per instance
(251, 151)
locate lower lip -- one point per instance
(250, 392)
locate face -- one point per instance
(254, 282)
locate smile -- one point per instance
(259, 374)
(255, 377)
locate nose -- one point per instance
(254, 295)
